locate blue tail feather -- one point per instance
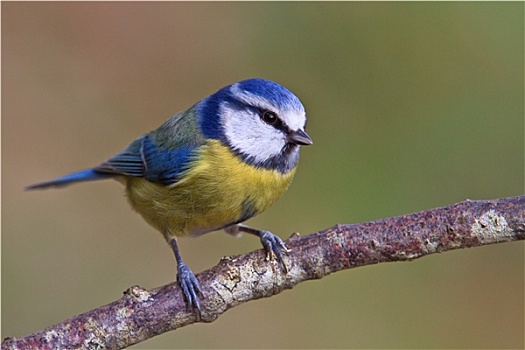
(83, 175)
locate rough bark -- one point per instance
(141, 314)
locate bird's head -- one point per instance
(260, 120)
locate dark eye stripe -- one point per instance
(276, 122)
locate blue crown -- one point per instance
(275, 94)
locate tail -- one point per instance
(83, 175)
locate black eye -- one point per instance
(270, 118)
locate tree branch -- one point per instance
(141, 314)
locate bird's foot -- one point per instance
(190, 285)
(274, 246)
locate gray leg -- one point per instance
(187, 280)
(272, 243)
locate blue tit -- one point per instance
(213, 166)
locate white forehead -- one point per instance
(293, 115)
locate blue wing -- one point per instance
(142, 158)
(160, 156)
(146, 159)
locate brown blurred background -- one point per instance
(410, 105)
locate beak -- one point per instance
(299, 137)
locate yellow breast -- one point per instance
(218, 189)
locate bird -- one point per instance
(210, 167)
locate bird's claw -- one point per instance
(190, 286)
(274, 246)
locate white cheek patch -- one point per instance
(248, 134)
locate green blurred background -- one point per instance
(411, 106)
